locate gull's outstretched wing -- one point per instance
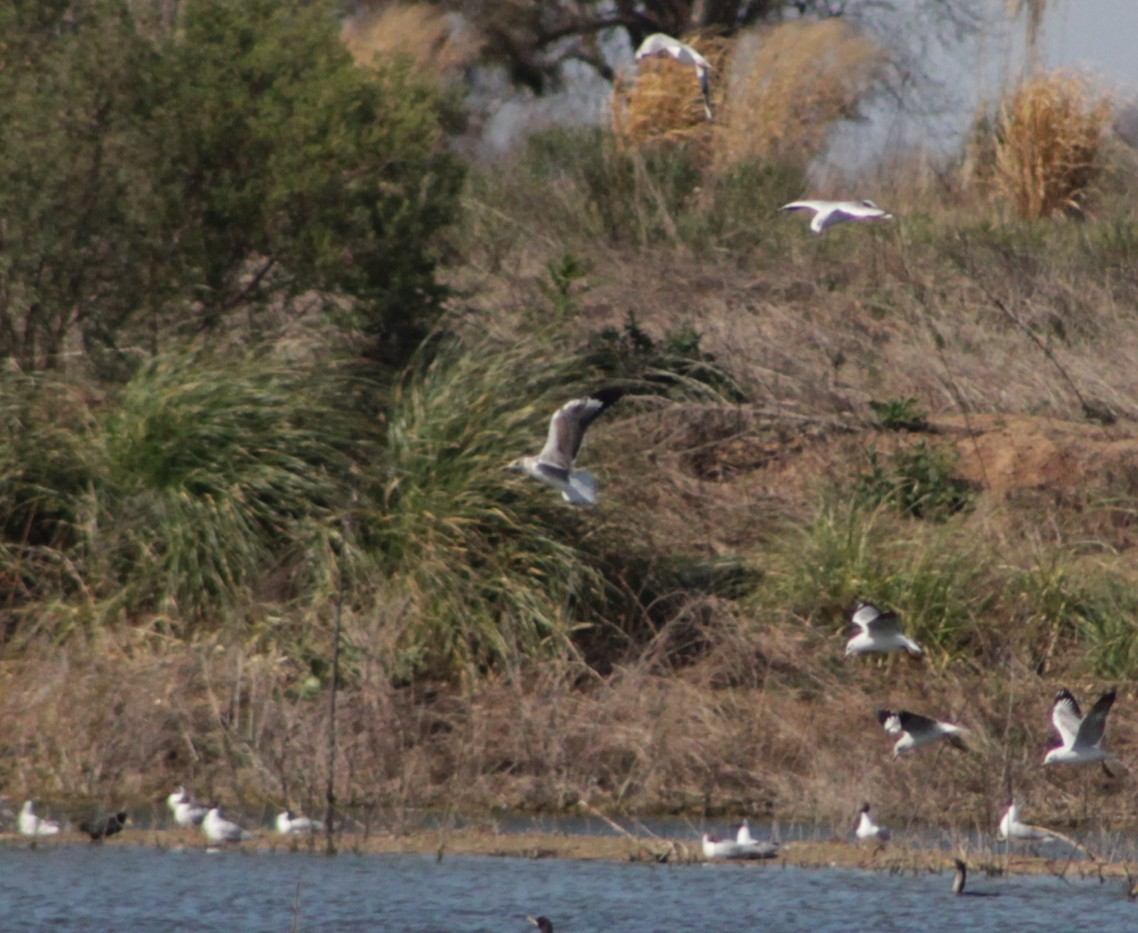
(1066, 716)
(915, 724)
(870, 618)
(567, 428)
(1091, 729)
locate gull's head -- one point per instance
(517, 466)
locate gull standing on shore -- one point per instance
(187, 811)
(828, 213)
(289, 825)
(218, 829)
(868, 831)
(659, 45)
(879, 630)
(1082, 736)
(35, 826)
(554, 465)
(917, 731)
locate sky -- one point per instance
(1100, 36)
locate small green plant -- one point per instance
(917, 480)
(562, 289)
(899, 414)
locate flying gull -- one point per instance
(554, 465)
(218, 829)
(1082, 736)
(869, 831)
(828, 213)
(99, 829)
(879, 630)
(917, 731)
(35, 826)
(289, 825)
(659, 45)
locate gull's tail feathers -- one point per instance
(582, 489)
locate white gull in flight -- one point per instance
(867, 830)
(828, 213)
(917, 731)
(35, 826)
(1082, 735)
(879, 630)
(659, 45)
(554, 465)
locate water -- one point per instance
(118, 888)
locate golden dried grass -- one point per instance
(664, 104)
(789, 85)
(1048, 144)
(417, 29)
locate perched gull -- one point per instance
(32, 825)
(714, 848)
(743, 835)
(219, 829)
(99, 829)
(659, 45)
(1081, 736)
(543, 924)
(917, 731)
(187, 811)
(879, 631)
(554, 465)
(828, 213)
(869, 831)
(289, 825)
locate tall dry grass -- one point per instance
(663, 105)
(789, 85)
(382, 30)
(1048, 144)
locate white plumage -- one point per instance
(35, 826)
(867, 830)
(1081, 736)
(289, 825)
(218, 829)
(828, 213)
(554, 465)
(916, 731)
(879, 630)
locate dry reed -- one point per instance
(417, 29)
(664, 106)
(1048, 144)
(789, 85)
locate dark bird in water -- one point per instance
(99, 829)
(961, 876)
(544, 924)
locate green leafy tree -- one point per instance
(157, 184)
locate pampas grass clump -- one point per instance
(1048, 144)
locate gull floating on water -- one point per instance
(554, 465)
(289, 825)
(543, 924)
(99, 829)
(659, 45)
(828, 213)
(880, 630)
(1081, 736)
(917, 731)
(869, 831)
(218, 829)
(35, 826)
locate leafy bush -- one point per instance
(918, 481)
(899, 414)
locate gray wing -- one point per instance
(567, 428)
(884, 622)
(1066, 717)
(705, 89)
(814, 206)
(1091, 729)
(916, 724)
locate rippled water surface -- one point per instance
(137, 888)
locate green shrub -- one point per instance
(918, 480)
